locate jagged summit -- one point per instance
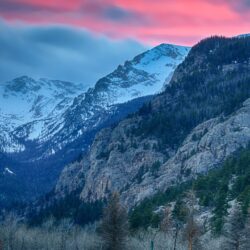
(24, 101)
(244, 35)
(146, 74)
(22, 84)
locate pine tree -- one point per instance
(114, 226)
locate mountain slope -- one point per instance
(27, 102)
(42, 111)
(216, 194)
(47, 124)
(200, 119)
(145, 75)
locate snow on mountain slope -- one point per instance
(24, 101)
(145, 75)
(8, 171)
(244, 35)
(46, 113)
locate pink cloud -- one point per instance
(150, 21)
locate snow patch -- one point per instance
(8, 171)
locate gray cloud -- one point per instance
(60, 52)
(109, 12)
(91, 8)
(20, 7)
(118, 14)
(240, 6)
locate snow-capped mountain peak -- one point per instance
(22, 85)
(40, 110)
(145, 75)
(244, 35)
(26, 101)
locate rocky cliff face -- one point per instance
(205, 148)
(141, 172)
(201, 118)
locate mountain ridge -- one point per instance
(50, 142)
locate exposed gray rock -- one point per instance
(131, 173)
(207, 146)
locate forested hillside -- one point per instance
(214, 192)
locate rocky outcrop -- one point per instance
(107, 166)
(205, 148)
(141, 172)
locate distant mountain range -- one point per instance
(46, 124)
(29, 108)
(244, 35)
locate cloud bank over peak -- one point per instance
(60, 52)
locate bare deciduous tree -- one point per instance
(233, 229)
(11, 223)
(166, 222)
(1, 245)
(246, 233)
(192, 233)
(192, 230)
